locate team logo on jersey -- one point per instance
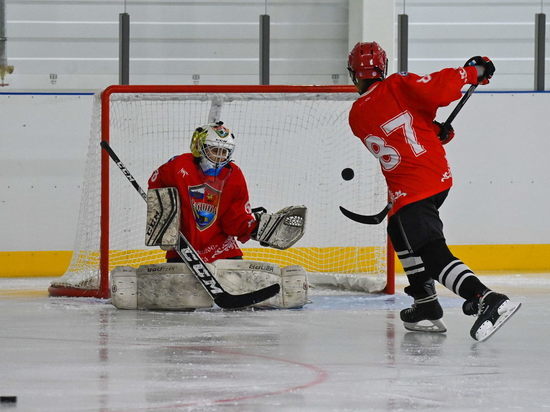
(396, 195)
(446, 176)
(204, 203)
(463, 74)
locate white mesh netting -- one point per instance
(292, 149)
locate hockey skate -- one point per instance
(470, 307)
(426, 312)
(493, 309)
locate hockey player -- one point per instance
(395, 119)
(203, 194)
(213, 201)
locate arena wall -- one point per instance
(494, 215)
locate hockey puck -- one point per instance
(347, 174)
(8, 399)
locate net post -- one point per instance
(104, 217)
(390, 263)
(390, 267)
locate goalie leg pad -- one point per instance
(124, 287)
(243, 276)
(294, 286)
(163, 217)
(283, 229)
(170, 286)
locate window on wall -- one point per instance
(74, 44)
(447, 33)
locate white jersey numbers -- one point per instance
(404, 121)
(425, 79)
(387, 155)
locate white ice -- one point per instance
(342, 352)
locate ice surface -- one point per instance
(342, 352)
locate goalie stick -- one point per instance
(446, 126)
(194, 262)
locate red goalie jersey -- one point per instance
(394, 120)
(214, 209)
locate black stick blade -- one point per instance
(366, 219)
(228, 301)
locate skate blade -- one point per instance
(429, 326)
(508, 309)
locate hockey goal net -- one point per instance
(292, 144)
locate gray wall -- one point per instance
(44, 139)
(499, 163)
(77, 40)
(444, 33)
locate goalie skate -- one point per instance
(494, 310)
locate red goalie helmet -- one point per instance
(367, 61)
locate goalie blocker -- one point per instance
(163, 217)
(172, 286)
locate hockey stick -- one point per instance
(367, 219)
(194, 262)
(445, 128)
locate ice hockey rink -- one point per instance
(342, 352)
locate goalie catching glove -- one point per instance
(280, 230)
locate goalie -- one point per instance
(212, 194)
(204, 195)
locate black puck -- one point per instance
(347, 174)
(8, 399)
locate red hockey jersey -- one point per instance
(214, 209)
(394, 120)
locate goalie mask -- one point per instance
(213, 144)
(367, 61)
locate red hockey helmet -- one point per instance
(367, 61)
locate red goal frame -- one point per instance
(104, 288)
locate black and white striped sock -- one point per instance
(455, 277)
(412, 264)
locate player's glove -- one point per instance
(258, 212)
(445, 134)
(486, 64)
